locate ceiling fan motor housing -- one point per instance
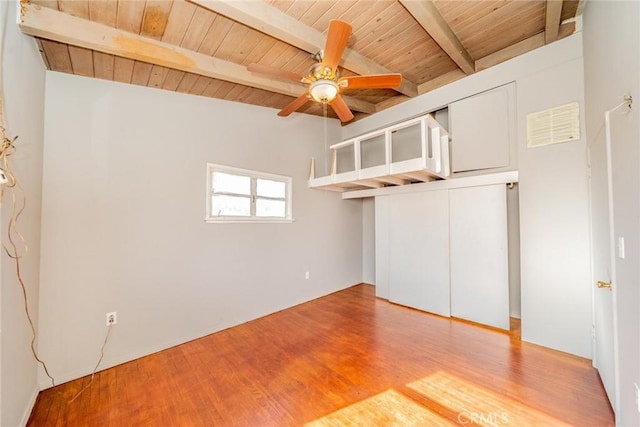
(318, 73)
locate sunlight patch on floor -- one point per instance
(388, 409)
(477, 405)
(464, 403)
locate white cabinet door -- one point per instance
(418, 252)
(479, 255)
(481, 128)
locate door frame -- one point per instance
(612, 259)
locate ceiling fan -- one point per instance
(324, 79)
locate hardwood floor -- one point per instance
(344, 359)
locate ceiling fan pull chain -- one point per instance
(326, 141)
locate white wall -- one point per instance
(554, 220)
(553, 213)
(123, 208)
(530, 63)
(23, 90)
(612, 69)
(368, 241)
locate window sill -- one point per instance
(248, 221)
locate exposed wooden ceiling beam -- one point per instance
(442, 80)
(521, 47)
(552, 23)
(275, 23)
(495, 58)
(359, 105)
(512, 51)
(390, 102)
(427, 15)
(54, 25)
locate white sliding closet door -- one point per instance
(419, 250)
(479, 255)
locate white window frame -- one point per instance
(254, 175)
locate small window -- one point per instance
(240, 195)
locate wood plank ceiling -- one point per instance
(202, 47)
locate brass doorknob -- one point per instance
(605, 285)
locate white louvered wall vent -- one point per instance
(555, 125)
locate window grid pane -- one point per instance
(271, 208)
(229, 183)
(270, 188)
(223, 205)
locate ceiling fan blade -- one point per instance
(297, 103)
(375, 81)
(341, 109)
(275, 72)
(339, 32)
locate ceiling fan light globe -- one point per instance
(323, 90)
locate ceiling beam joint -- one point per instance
(552, 20)
(428, 16)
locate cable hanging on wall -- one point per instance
(17, 247)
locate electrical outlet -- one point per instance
(112, 318)
(306, 275)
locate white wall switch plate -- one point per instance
(621, 247)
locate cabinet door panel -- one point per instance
(479, 255)
(480, 131)
(419, 250)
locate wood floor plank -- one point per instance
(347, 358)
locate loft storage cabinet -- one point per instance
(344, 160)
(416, 150)
(419, 150)
(373, 155)
(406, 143)
(481, 127)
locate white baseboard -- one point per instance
(45, 383)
